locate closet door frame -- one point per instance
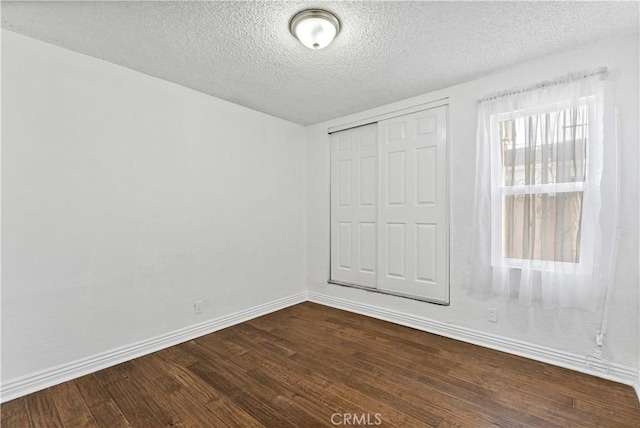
(374, 119)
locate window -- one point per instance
(541, 157)
(538, 212)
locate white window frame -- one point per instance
(498, 190)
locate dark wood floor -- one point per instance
(303, 366)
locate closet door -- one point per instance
(353, 206)
(413, 223)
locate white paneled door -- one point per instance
(389, 206)
(413, 216)
(353, 206)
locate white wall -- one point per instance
(126, 199)
(563, 330)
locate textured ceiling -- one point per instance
(387, 51)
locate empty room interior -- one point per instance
(320, 213)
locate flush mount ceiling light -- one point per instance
(315, 28)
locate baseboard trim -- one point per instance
(19, 387)
(617, 372)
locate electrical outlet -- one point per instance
(492, 314)
(197, 307)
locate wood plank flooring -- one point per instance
(313, 366)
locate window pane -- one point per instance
(542, 227)
(544, 149)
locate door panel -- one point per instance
(368, 254)
(344, 245)
(354, 190)
(426, 252)
(395, 253)
(427, 176)
(396, 174)
(367, 181)
(413, 209)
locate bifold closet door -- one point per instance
(413, 211)
(353, 206)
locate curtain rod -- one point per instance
(602, 72)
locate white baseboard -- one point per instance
(617, 372)
(24, 385)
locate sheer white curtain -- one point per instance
(537, 232)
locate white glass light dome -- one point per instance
(315, 28)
